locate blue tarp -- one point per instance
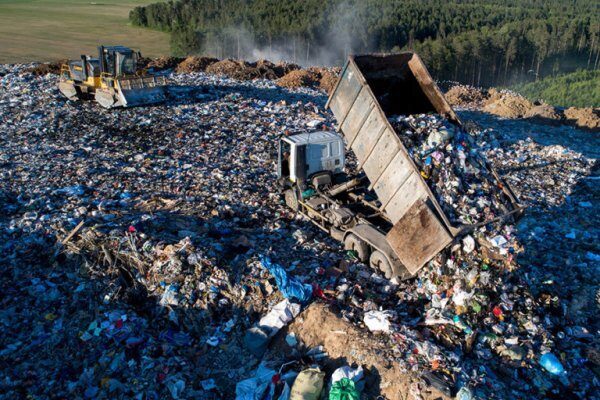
(290, 288)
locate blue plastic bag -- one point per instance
(289, 287)
(552, 364)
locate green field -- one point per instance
(46, 30)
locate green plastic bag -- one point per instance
(343, 390)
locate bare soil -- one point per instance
(195, 64)
(298, 78)
(345, 344)
(507, 104)
(588, 118)
(466, 96)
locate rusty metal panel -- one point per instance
(345, 94)
(418, 236)
(357, 115)
(368, 135)
(384, 151)
(431, 89)
(406, 195)
(393, 177)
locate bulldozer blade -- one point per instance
(69, 90)
(106, 98)
(142, 96)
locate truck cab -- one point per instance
(310, 155)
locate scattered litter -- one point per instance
(377, 321)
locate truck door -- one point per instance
(300, 164)
(335, 160)
(317, 155)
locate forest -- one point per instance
(578, 89)
(478, 42)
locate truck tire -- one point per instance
(353, 242)
(380, 262)
(291, 199)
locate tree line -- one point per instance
(480, 42)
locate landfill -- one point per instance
(144, 250)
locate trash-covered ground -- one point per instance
(132, 243)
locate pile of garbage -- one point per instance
(148, 256)
(466, 96)
(454, 169)
(151, 296)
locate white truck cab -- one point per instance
(303, 155)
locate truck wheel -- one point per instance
(291, 199)
(379, 261)
(353, 242)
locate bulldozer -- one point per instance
(113, 79)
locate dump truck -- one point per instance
(113, 79)
(385, 211)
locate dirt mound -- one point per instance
(162, 63)
(224, 67)
(327, 77)
(318, 325)
(587, 118)
(267, 69)
(544, 112)
(328, 81)
(195, 64)
(239, 70)
(507, 104)
(299, 78)
(466, 96)
(284, 68)
(47, 68)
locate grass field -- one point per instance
(45, 30)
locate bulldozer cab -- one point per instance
(118, 61)
(81, 70)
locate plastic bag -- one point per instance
(289, 287)
(257, 338)
(254, 388)
(552, 364)
(343, 390)
(354, 374)
(308, 385)
(377, 321)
